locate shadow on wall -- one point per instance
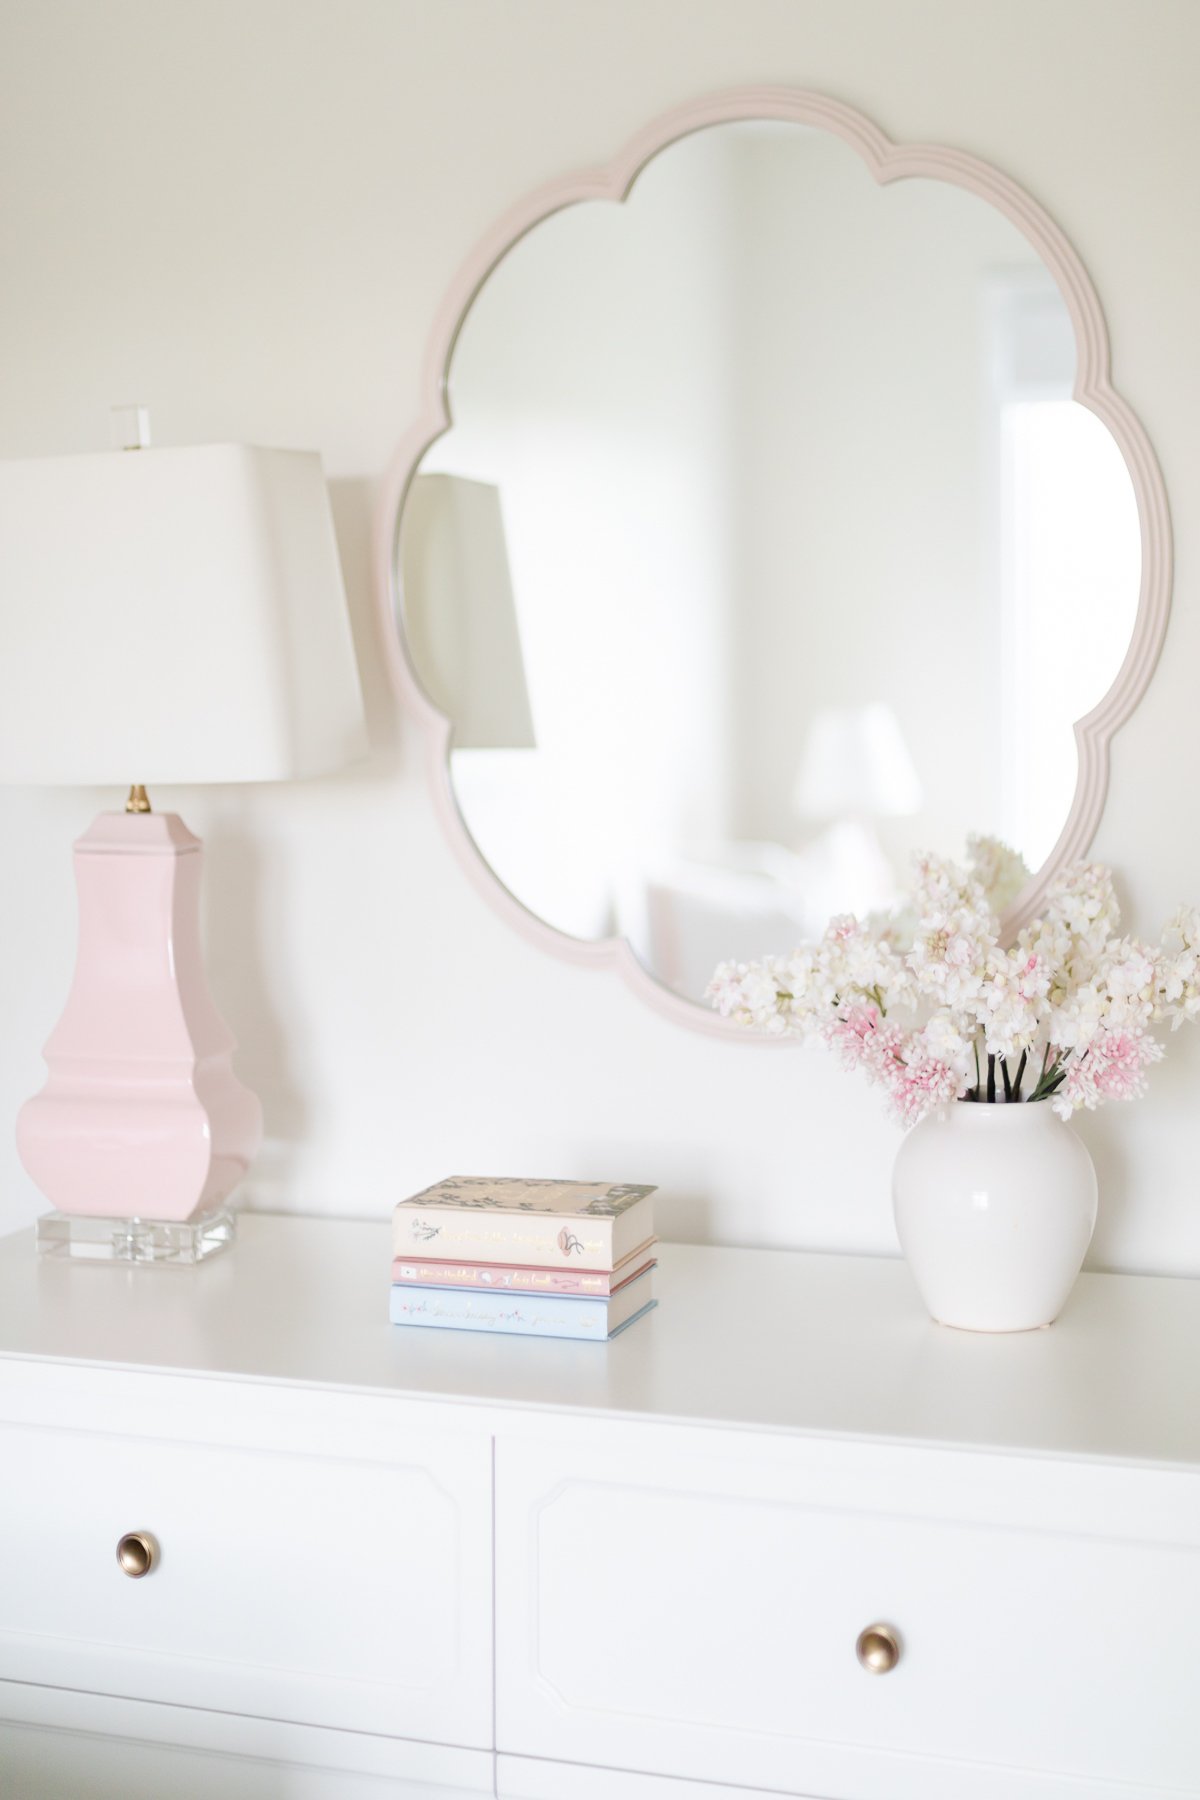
(242, 900)
(683, 1205)
(247, 887)
(1138, 1163)
(684, 1215)
(352, 508)
(1102, 1134)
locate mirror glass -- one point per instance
(766, 545)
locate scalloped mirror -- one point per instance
(772, 516)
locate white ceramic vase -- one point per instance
(995, 1208)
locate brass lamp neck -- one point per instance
(138, 801)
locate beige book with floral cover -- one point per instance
(545, 1224)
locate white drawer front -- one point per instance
(698, 1618)
(323, 1590)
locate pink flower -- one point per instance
(1122, 1059)
(920, 1084)
(913, 1079)
(851, 1035)
(1112, 1068)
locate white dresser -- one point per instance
(394, 1562)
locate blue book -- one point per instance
(525, 1315)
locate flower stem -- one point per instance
(1016, 1093)
(1051, 1078)
(991, 1081)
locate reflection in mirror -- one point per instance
(766, 546)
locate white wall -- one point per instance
(244, 213)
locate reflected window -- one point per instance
(1069, 559)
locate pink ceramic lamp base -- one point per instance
(142, 1130)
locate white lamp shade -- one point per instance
(173, 616)
(856, 763)
(460, 617)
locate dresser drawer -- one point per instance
(696, 1616)
(323, 1589)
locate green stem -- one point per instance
(991, 1080)
(1052, 1077)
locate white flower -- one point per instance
(918, 1000)
(1012, 1002)
(1120, 995)
(946, 1042)
(1178, 997)
(1077, 1019)
(894, 929)
(854, 964)
(954, 936)
(949, 960)
(761, 998)
(1083, 902)
(725, 989)
(1000, 872)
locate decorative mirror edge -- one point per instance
(887, 162)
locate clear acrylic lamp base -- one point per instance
(184, 1241)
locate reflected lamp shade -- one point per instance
(460, 617)
(856, 764)
(165, 616)
(172, 616)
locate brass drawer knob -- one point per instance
(137, 1554)
(878, 1649)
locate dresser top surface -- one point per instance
(781, 1341)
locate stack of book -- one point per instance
(565, 1259)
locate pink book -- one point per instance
(593, 1283)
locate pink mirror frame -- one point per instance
(887, 162)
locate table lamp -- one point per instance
(174, 616)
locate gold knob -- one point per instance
(878, 1649)
(137, 1554)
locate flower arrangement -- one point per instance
(932, 1006)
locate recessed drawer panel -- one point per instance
(700, 1618)
(324, 1590)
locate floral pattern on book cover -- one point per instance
(462, 1193)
